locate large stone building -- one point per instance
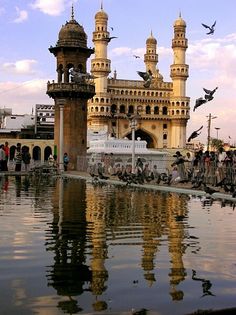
(163, 108)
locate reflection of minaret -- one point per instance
(66, 239)
(96, 214)
(176, 238)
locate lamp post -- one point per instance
(133, 124)
(210, 117)
(61, 103)
(217, 129)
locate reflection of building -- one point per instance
(164, 106)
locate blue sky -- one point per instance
(29, 27)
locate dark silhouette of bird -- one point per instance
(112, 28)
(209, 94)
(211, 28)
(136, 56)
(199, 102)
(209, 190)
(195, 134)
(108, 39)
(147, 77)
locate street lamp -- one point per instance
(209, 129)
(133, 124)
(217, 129)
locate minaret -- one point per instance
(101, 65)
(179, 74)
(151, 57)
(100, 68)
(70, 98)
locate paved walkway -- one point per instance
(178, 188)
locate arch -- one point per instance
(122, 109)
(148, 109)
(164, 110)
(144, 136)
(113, 108)
(47, 152)
(156, 110)
(37, 153)
(131, 109)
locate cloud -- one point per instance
(51, 7)
(21, 67)
(22, 16)
(21, 96)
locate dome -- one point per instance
(151, 40)
(72, 34)
(101, 15)
(180, 22)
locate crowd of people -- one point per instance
(209, 167)
(21, 157)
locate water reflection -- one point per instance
(116, 248)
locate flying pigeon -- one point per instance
(78, 77)
(195, 134)
(209, 94)
(108, 39)
(136, 56)
(211, 28)
(147, 77)
(199, 102)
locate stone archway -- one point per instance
(144, 136)
(37, 153)
(47, 152)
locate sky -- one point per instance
(29, 27)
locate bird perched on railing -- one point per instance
(209, 190)
(211, 28)
(147, 77)
(195, 134)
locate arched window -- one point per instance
(148, 110)
(37, 153)
(122, 109)
(156, 110)
(131, 109)
(164, 110)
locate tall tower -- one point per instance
(151, 56)
(179, 74)
(70, 98)
(101, 67)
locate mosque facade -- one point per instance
(161, 111)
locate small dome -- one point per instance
(180, 22)
(101, 15)
(151, 40)
(72, 33)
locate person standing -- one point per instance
(26, 157)
(7, 153)
(2, 158)
(18, 159)
(66, 161)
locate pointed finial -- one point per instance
(151, 34)
(180, 14)
(101, 5)
(72, 11)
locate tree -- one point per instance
(216, 143)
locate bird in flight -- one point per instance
(147, 77)
(199, 102)
(195, 134)
(108, 39)
(136, 56)
(211, 28)
(209, 94)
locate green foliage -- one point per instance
(216, 143)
